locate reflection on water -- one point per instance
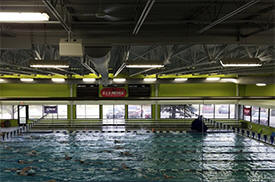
(137, 156)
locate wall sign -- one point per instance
(246, 111)
(113, 92)
(50, 109)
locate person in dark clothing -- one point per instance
(198, 125)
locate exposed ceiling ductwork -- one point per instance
(100, 57)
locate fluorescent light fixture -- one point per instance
(145, 66)
(149, 79)
(241, 62)
(88, 79)
(213, 79)
(27, 16)
(48, 64)
(180, 79)
(261, 84)
(58, 80)
(119, 79)
(26, 79)
(2, 80)
(234, 80)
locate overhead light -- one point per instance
(149, 79)
(144, 64)
(261, 84)
(2, 80)
(26, 79)
(88, 79)
(58, 80)
(23, 16)
(230, 80)
(213, 79)
(48, 64)
(119, 79)
(241, 62)
(180, 79)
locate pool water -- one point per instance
(141, 156)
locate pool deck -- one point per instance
(10, 129)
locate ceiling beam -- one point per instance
(143, 16)
(227, 16)
(57, 15)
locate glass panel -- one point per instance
(191, 110)
(119, 111)
(15, 114)
(146, 111)
(207, 110)
(113, 114)
(240, 111)
(108, 111)
(264, 116)
(50, 115)
(139, 111)
(22, 114)
(92, 111)
(172, 111)
(255, 114)
(247, 113)
(232, 111)
(272, 118)
(221, 111)
(62, 111)
(7, 112)
(80, 111)
(35, 111)
(134, 111)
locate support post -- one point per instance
(156, 106)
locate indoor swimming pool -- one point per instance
(135, 156)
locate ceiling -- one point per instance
(189, 36)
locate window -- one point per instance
(139, 111)
(87, 111)
(255, 114)
(6, 112)
(247, 113)
(264, 116)
(172, 111)
(272, 118)
(207, 110)
(113, 112)
(61, 113)
(35, 111)
(232, 111)
(191, 110)
(15, 114)
(221, 111)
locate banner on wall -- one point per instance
(113, 92)
(247, 111)
(50, 109)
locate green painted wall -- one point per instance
(197, 89)
(253, 90)
(165, 90)
(34, 90)
(13, 122)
